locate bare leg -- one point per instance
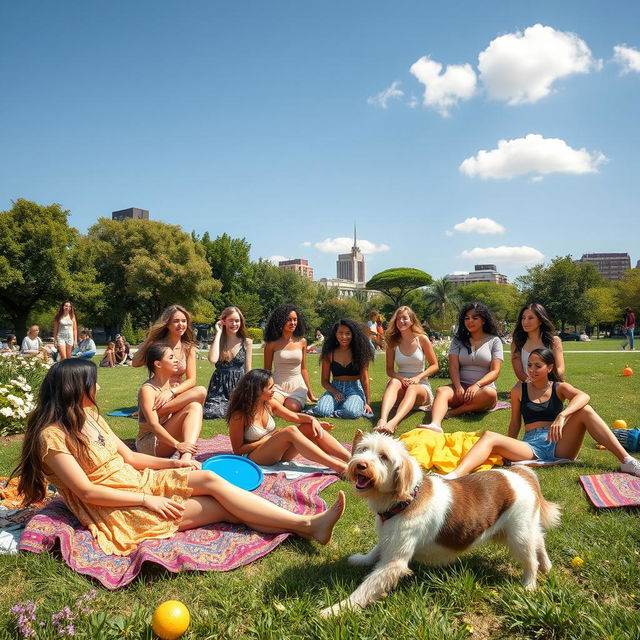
(195, 394)
(293, 405)
(492, 443)
(256, 511)
(327, 442)
(483, 400)
(185, 426)
(287, 442)
(394, 388)
(573, 434)
(415, 394)
(444, 396)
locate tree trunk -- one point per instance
(19, 317)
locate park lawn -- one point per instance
(479, 596)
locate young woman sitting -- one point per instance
(534, 330)
(346, 354)
(124, 497)
(552, 430)
(109, 357)
(408, 347)
(253, 430)
(163, 436)
(475, 359)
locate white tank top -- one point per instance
(410, 366)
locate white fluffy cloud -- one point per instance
(507, 256)
(306, 243)
(531, 154)
(276, 259)
(522, 67)
(343, 245)
(482, 226)
(444, 90)
(628, 58)
(390, 93)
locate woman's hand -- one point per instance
(471, 391)
(458, 392)
(367, 408)
(162, 398)
(187, 464)
(312, 398)
(166, 507)
(327, 426)
(219, 326)
(405, 382)
(186, 447)
(338, 397)
(316, 428)
(555, 428)
(415, 380)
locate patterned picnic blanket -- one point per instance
(612, 489)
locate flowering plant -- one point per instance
(441, 347)
(14, 365)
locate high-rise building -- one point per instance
(132, 212)
(482, 273)
(298, 265)
(610, 265)
(350, 266)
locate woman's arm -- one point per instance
(248, 355)
(190, 374)
(268, 355)
(55, 330)
(325, 377)
(432, 359)
(304, 372)
(516, 418)
(577, 400)
(214, 350)
(364, 381)
(390, 363)
(516, 363)
(143, 461)
(558, 355)
(75, 332)
(236, 435)
(454, 371)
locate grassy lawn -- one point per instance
(478, 597)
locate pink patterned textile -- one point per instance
(218, 547)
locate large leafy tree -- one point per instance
(396, 283)
(35, 257)
(145, 266)
(561, 288)
(444, 298)
(628, 291)
(602, 307)
(504, 300)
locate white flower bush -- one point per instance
(441, 347)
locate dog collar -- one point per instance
(399, 507)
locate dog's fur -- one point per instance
(445, 518)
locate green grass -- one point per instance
(280, 595)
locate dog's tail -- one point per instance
(549, 511)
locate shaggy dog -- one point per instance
(434, 520)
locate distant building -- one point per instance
(482, 273)
(610, 265)
(300, 266)
(350, 266)
(133, 213)
(346, 288)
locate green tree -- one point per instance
(35, 242)
(561, 288)
(602, 307)
(504, 300)
(334, 309)
(444, 298)
(396, 283)
(145, 266)
(628, 292)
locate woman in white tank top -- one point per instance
(534, 330)
(410, 349)
(65, 330)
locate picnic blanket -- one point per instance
(612, 489)
(125, 412)
(217, 547)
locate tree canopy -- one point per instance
(504, 300)
(396, 283)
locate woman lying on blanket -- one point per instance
(253, 430)
(552, 430)
(125, 497)
(163, 436)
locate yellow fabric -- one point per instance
(444, 451)
(118, 530)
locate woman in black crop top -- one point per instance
(552, 431)
(345, 358)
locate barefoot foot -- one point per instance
(323, 524)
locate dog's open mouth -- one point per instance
(363, 482)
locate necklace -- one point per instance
(544, 390)
(92, 422)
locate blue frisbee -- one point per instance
(240, 471)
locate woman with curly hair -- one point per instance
(230, 352)
(475, 359)
(65, 330)
(534, 330)
(285, 353)
(408, 347)
(253, 432)
(125, 497)
(346, 354)
(174, 328)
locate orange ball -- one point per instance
(170, 620)
(627, 371)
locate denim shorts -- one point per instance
(542, 448)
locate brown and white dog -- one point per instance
(433, 520)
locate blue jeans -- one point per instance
(350, 408)
(630, 337)
(85, 355)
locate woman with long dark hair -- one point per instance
(285, 353)
(65, 330)
(346, 354)
(534, 330)
(552, 430)
(253, 432)
(124, 497)
(475, 359)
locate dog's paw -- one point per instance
(362, 559)
(329, 612)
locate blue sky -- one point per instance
(270, 121)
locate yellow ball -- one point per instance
(577, 562)
(619, 424)
(170, 620)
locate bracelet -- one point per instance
(143, 500)
(173, 393)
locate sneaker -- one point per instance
(623, 345)
(633, 467)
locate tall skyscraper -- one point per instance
(350, 266)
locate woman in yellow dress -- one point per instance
(124, 497)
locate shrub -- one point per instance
(256, 334)
(441, 347)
